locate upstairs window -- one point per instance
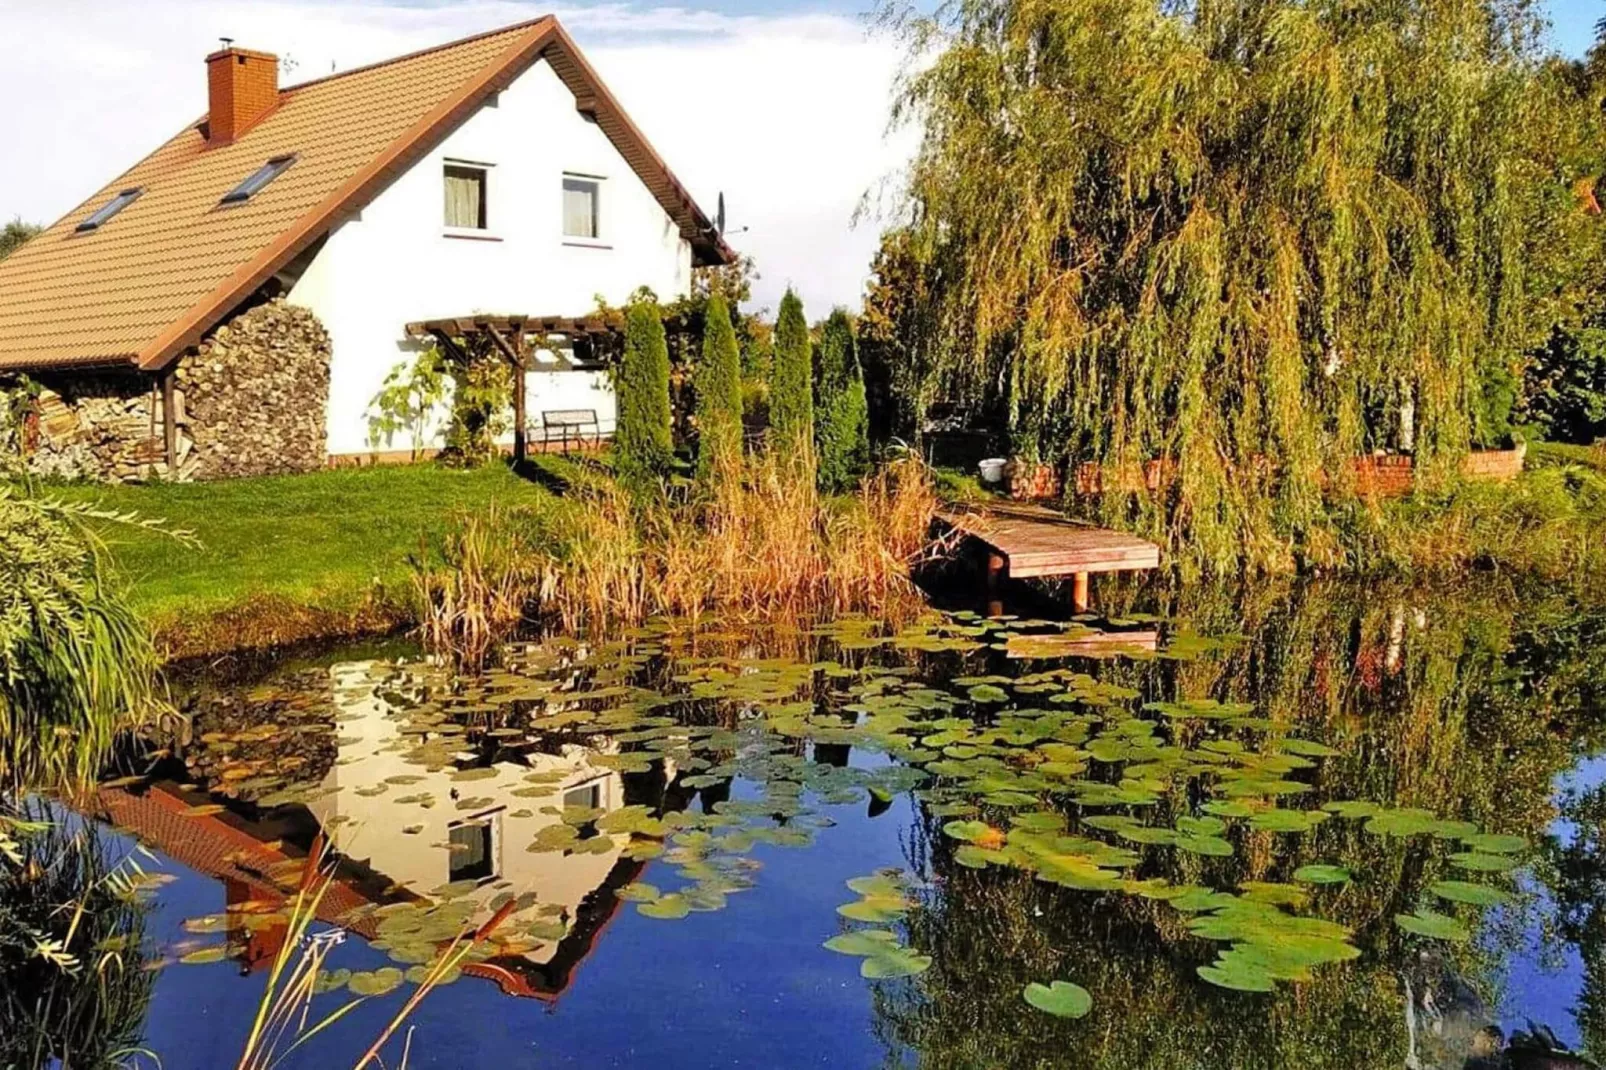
(581, 208)
(473, 851)
(465, 197)
(259, 178)
(110, 208)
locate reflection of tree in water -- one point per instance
(82, 1003)
(1465, 706)
(1574, 871)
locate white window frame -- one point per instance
(600, 239)
(492, 821)
(487, 171)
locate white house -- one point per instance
(232, 303)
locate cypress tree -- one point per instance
(841, 433)
(791, 392)
(642, 443)
(719, 394)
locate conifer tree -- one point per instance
(719, 394)
(791, 391)
(643, 445)
(841, 429)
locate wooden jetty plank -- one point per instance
(1037, 542)
(1081, 644)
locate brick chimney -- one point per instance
(242, 86)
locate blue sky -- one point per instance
(1573, 23)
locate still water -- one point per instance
(1292, 827)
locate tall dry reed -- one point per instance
(479, 591)
(762, 543)
(759, 543)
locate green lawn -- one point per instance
(327, 541)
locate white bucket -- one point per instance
(992, 470)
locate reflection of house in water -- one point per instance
(395, 849)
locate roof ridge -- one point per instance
(528, 24)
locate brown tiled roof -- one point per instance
(172, 265)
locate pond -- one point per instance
(1306, 826)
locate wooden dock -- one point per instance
(1027, 541)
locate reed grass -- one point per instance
(479, 591)
(760, 543)
(283, 1020)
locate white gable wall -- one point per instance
(396, 263)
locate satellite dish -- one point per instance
(720, 221)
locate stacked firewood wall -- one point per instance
(251, 400)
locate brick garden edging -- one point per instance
(1383, 475)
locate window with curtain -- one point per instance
(465, 197)
(580, 211)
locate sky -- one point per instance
(779, 104)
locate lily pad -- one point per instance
(1059, 998)
(1433, 925)
(1480, 895)
(1322, 873)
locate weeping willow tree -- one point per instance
(1244, 239)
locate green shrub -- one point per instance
(409, 397)
(841, 431)
(643, 442)
(1566, 385)
(719, 393)
(791, 391)
(482, 392)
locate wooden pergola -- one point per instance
(596, 341)
(517, 339)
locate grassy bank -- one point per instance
(295, 557)
(283, 558)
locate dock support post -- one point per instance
(1080, 586)
(997, 571)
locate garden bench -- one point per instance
(560, 425)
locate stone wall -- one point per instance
(252, 400)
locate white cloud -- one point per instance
(783, 113)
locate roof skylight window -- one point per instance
(259, 178)
(110, 208)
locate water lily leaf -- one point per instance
(862, 942)
(1434, 926)
(884, 883)
(203, 956)
(668, 907)
(1401, 823)
(1484, 863)
(1488, 843)
(1213, 846)
(639, 892)
(973, 857)
(1059, 998)
(1481, 895)
(1352, 809)
(1308, 748)
(877, 909)
(894, 961)
(377, 983)
(1239, 978)
(1322, 873)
